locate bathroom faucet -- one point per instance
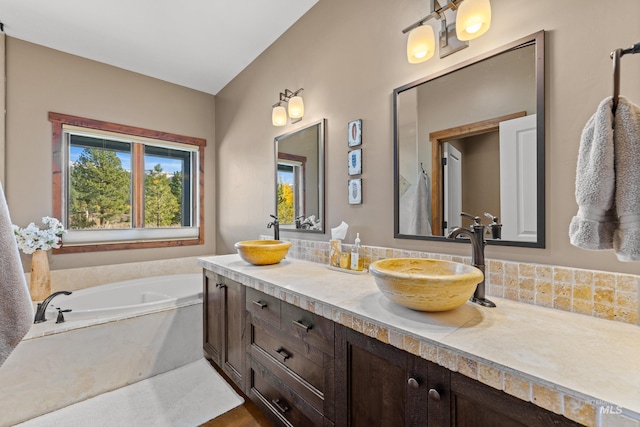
(42, 307)
(476, 235)
(276, 227)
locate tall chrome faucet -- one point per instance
(276, 227)
(476, 234)
(42, 306)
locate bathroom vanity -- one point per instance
(311, 346)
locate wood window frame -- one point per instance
(58, 121)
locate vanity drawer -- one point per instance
(263, 306)
(308, 327)
(305, 361)
(284, 405)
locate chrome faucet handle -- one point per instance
(491, 217)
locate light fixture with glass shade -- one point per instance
(421, 44)
(473, 19)
(295, 105)
(279, 115)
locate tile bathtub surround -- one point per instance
(602, 294)
(73, 279)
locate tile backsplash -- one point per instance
(602, 294)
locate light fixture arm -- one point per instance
(437, 12)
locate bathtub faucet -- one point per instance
(42, 306)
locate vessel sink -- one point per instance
(262, 252)
(425, 284)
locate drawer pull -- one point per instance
(413, 383)
(282, 352)
(260, 304)
(281, 408)
(434, 395)
(301, 325)
(220, 285)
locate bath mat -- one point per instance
(184, 397)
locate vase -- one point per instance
(40, 280)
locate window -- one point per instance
(291, 188)
(120, 187)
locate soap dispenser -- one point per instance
(357, 260)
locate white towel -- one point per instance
(16, 310)
(415, 208)
(626, 241)
(607, 184)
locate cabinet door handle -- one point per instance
(282, 352)
(281, 408)
(260, 304)
(220, 285)
(434, 395)
(302, 325)
(413, 383)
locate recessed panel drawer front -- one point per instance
(306, 361)
(308, 327)
(289, 408)
(263, 306)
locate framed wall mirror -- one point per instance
(299, 178)
(471, 139)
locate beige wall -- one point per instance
(3, 39)
(40, 80)
(350, 55)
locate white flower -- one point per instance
(32, 238)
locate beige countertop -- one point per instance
(576, 358)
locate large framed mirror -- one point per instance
(299, 159)
(471, 139)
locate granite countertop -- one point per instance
(594, 361)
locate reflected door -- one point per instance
(518, 177)
(452, 187)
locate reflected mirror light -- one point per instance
(471, 139)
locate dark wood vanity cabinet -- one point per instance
(474, 404)
(291, 362)
(304, 370)
(225, 325)
(385, 386)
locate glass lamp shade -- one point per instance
(421, 44)
(473, 19)
(279, 116)
(296, 107)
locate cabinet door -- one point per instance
(474, 404)
(213, 317)
(385, 386)
(234, 355)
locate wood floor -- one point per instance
(246, 415)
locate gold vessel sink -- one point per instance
(425, 284)
(262, 252)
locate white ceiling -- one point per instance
(200, 44)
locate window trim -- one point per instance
(58, 120)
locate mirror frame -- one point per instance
(322, 123)
(538, 40)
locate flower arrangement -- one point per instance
(32, 238)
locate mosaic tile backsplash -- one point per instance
(602, 294)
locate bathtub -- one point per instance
(116, 334)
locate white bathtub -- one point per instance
(117, 334)
(128, 297)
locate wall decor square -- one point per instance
(355, 132)
(355, 162)
(355, 191)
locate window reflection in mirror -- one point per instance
(300, 179)
(471, 139)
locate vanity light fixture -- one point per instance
(295, 106)
(473, 18)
